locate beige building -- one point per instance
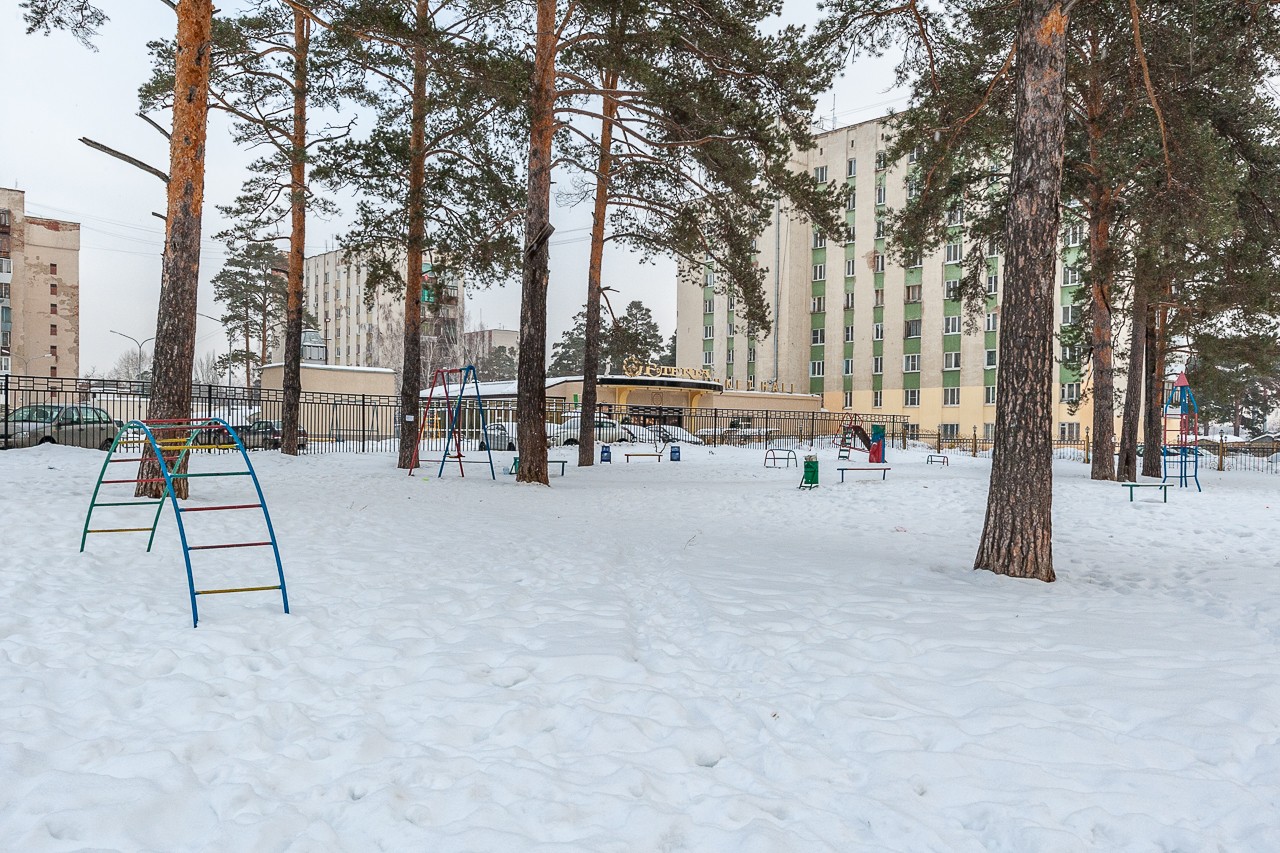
(358, 335)
(39, 291)
(866, 334)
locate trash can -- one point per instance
(675, 453)
(810, 478)
(606, 454)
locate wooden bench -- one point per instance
(774, 455)
(1163, 487)
(629, 455)
(937, 457)
(883, 469)
(515, 465)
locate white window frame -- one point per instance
(988, 395)
(850, 267)
(954, 252)
(877, 365)
(951, 324)
(881, 194)
(708, 358)
(993, 321)
(819, 272)
(817, 337)
(992, 359)
(817, 305)
(879, 262)
(817, 369)
(951, 360)
(877, 399)
(951, 289)
(851, 167)
(819, 240)
(913, 293)
(911, 397)
(877, 331)
(911, 362)
(848, 300)
(907, 328)
(1069, 392)
(848, 367)
(993, 284)
(820, 174)
(708, 332)
(849, 334)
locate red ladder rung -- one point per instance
(212, 508)
(230, 545)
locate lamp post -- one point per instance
(28, 360)
(229, 339)
(140, 346)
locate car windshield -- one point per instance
(35, 414)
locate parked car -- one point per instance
(642, 434)
(499, 436)
(675, 434)
(607, 432)
(79, 426)
(265, 435)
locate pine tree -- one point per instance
(254, 292)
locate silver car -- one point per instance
(49, 423)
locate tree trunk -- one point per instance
(1153, 423)
(173, 354)
(1102, 343)
(1017, 535)
(411, 371)
(591, 346)
(292, 380)
(1127, 461)
(531, 382)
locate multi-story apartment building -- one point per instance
(868, 334)
(358, 335)
(39, 291)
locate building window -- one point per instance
(53, 269)
(955, 215)
(53, 329)
(955, 253)
(53, 288)
(851, 203)
(879, 262)
(993, 321)
(708, 332)
(848, 367)
(993, 284)
(1070, 314)
(1069, 355)
(708, 358)
(817, 369)
(951, 431)
(880, 229)
(880, 195)
(914, 154)
(708, 306)
(877, 399)
(877, 364)
(911, 363)
(911, 397)
(988, 431)
(993, 248)
(916, 260)
(951, 288)
(882, 160)
(849, 268)
(819, 272)
(988, 395)
(951, 325)
(1075, 234)
(913, 187)
(877, 332)
(53, 351)
(911, 329)
(848, 334)
(751, 353)
(817, 336)
(817, 304)
(951, 361)
(1070, 392)
(708, 279)
(1069, 431)
(732, 303)
(731, 329)
(819, 240)
(879, 292)
(1070, 276)
(991, 358)
(848, 399)
(728, 356)
(53, 308)
(913, 292)
(851, 167)
(848, 301)
(53, 371)
(820, 174)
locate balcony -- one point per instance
(6, 271)
(448, 296)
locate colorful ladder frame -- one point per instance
(171, 451)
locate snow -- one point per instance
(653, 656)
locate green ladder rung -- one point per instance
(128, 503)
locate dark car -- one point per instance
(265, 435)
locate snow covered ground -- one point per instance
(690, 656)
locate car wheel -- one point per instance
(47, 440)
(106, 445)
(511, 446)
(484, 446)
(570, 442)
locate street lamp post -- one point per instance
(140, 346)
(28, 360)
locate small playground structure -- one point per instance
(170, 443)
(465, 376)
(873, 445)
(1180, 452)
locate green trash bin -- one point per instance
(810, 478)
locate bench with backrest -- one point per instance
(1163, 487)
(883, 469)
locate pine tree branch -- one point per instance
(132, 161)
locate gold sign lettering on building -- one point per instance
(633, 366)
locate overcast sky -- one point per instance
(57, 91)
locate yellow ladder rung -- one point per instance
(122, 530)
(240, 589)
